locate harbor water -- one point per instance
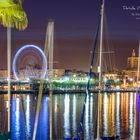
(119, 115)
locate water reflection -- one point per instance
(3, 113)
(105, 116)
(28, 116)
(74, 116)
(67, 116)
(117, 115)
(137, 126)
(87, 117)
(23, 115)
(43, 128)
(17, 113)
(131, 116)
(91, 112)
(120, 115)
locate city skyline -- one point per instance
(75, 27)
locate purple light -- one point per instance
(20, 51)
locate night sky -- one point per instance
(75, 27)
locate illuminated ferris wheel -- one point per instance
(29, 62)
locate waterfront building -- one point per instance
(29, 72)
(3, 74)
(112, 76)
(132, 61)
(59, 72)
(132, 66)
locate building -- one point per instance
(132, 61)
(132, 67)
(59, 72)
(113, 76)
(3, 74)
(130, 73)
(36, 73)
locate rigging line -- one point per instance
(109, 43)
(104, 52)
(106, 44)
(107, 67)
(80, 131)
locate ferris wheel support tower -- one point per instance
(48, 50)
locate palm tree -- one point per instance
(11, 15)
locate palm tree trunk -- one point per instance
(9, 72)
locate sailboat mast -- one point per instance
(100, 65)
(101, 43)
(138, 64)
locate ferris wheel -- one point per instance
(29, 62)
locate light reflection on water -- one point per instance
(74, 116)
(118, 112)
(67, 116)
(17, 122)
(131, 116)
(105, 126)
(28, 115)
(137, 127)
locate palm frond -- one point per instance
(13, 15)
(6, 3)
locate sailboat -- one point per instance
(100, 77)
(80, 131)
(100, 68)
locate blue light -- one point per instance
(20, 51)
